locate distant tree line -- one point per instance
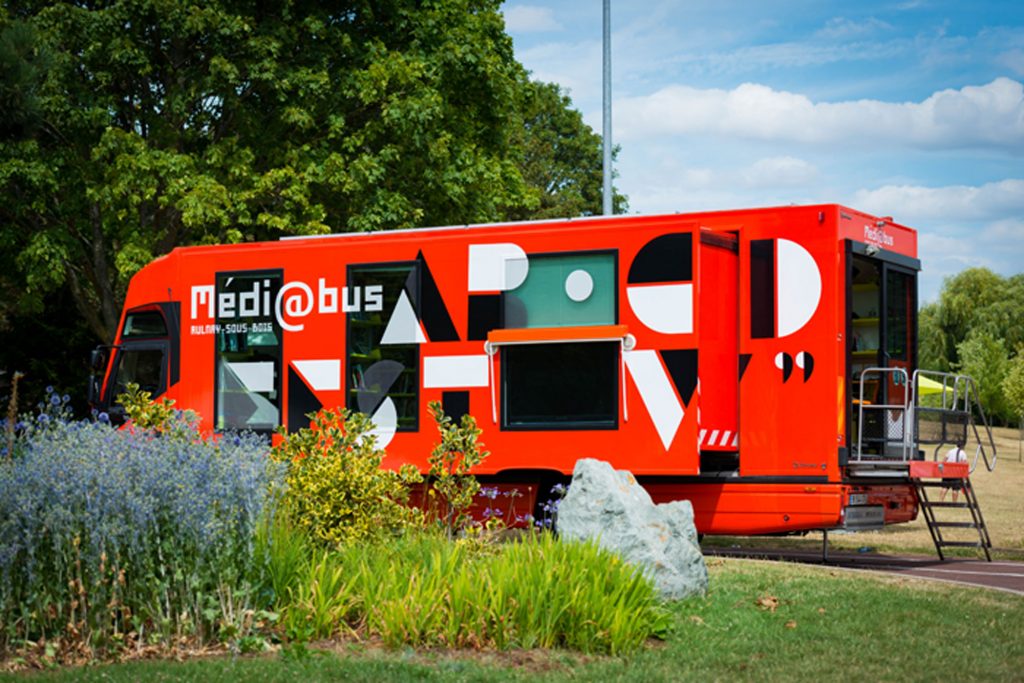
(130, 127)
(977, 327)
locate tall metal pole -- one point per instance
(607, 119)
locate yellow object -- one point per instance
(927, 386)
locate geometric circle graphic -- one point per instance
(579, 285)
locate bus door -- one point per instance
(718, 366)
(882, 333)
(147, 355)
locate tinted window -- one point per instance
(139, 366)
(145, 324)
(383, 351)
(248, 351)
(560, 385)
(899, 307)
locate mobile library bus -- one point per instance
(730, 358)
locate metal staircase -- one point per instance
(942, 425)
(891, 436)
(936, 524)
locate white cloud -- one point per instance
(991, 115)
(841, 27)
(1006, 231)
(956, 203)
(1012, 60)
(784, 171)
(530, 19)
(959, 226)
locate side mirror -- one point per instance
(98, 359)
(93, 395)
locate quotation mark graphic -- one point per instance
(785, 362)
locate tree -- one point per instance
(157, 124)
(932, 344)
(1013, 386)
(977, 327)
(962, 299)
(984, 358)
(562, 157)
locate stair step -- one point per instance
(956, 525)
(962, 544)
(940, 504)
(940, 483)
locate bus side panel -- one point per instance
(755, 508)
(790, 402)
(314, 273)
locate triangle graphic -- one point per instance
(301, 402)
(434, 313)
(744, 362)
(403, 327)
(682, 368)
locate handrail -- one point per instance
(960, 394)
(903, 408)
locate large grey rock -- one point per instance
(614, 509)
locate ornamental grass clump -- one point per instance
(117, 538)
(422, 590)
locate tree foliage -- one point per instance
(1013, 386)
(977, 328)
(561, 157)
(984, 358)
(132, 126)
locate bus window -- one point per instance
(142, 366)
(144, 324)
(560, 386)
(383, 336)
(248, 361)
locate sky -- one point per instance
(912, 109)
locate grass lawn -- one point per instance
(999, 492)
(761, 621)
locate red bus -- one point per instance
(717, 356)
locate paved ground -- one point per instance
(1000, 575)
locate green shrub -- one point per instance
(450, 463)
(337, 491)
(159, 417)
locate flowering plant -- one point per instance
(112, 536)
